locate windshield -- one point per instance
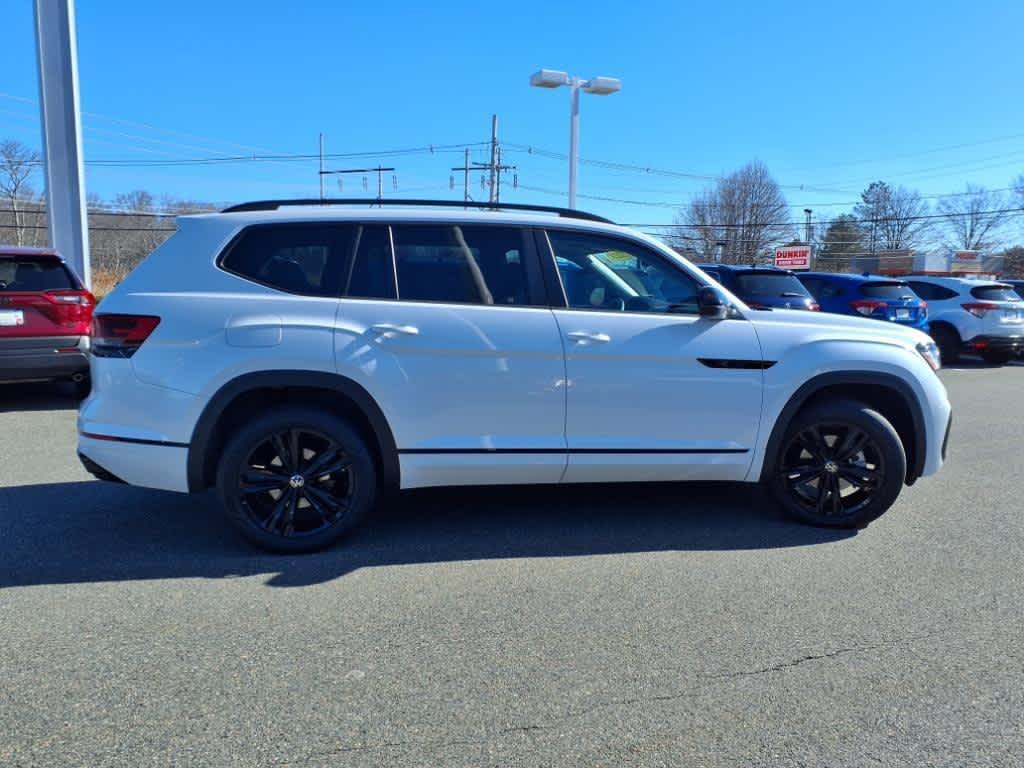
(994, 293)
(888, 290)
(770, 284)
(28, 274)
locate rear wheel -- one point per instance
(81, 388)
(296, 479)
(997, 356)
(841, 466)
(948, 342)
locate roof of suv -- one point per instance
(958, 283)
(313, 212)
(861, 278)
(769, 268)
(18, 251)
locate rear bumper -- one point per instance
(150, 464)
(1000, 343)
(55, 357)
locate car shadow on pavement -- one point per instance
(86, 532)
(37, 396)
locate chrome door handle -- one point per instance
(589, 337)
(405, 330)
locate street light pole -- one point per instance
(600, 86)
(574, 138)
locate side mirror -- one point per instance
(710, 304)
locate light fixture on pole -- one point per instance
(599, 86)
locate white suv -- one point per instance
(300, 358)
(979, 316)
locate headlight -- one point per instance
(930, 352)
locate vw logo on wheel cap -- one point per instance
(296, 481)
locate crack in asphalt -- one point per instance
(533, 727)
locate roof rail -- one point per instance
(273, 205)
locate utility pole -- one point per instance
(494, 158)
(466, 167)
(498, 168)
(379, 170)
(321, 166)
(807, 226)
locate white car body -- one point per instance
(989, 325)
(484, 394)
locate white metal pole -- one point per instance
(574, 138)
(57, 59)
(321, 167)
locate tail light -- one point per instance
(924, 309)
(867, 307)
(120, 335)
(71, 308)
(814, 306)
(980, 309)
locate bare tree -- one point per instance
(1018, 190)
(17, 164)
(741, 216)
(893, 219)
(973, 219)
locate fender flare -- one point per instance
(812, 386)
(280, 379)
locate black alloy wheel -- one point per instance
(841, 465)
(295, 480)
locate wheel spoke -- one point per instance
(802, 475)
(837, 498)
(282, 451)
(860, 477)
(256, 480)
(293, 449)
(281, 509)
(327, 463)
(853, 443)
(811, 441)
(823, 493)
(322, 500)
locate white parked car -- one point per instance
(979, 316)
(299, 358)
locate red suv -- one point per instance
(45, 313)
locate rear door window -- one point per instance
(774, 284)
(32, 274)
(889, 291)
(994, 293)
(462, 264)
(931, 291)
(307, 259)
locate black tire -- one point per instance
(997, 356)
(850, 451)
(948, 342)
(295, 505)
(81, 389)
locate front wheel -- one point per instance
(296, 479)
(841, 465)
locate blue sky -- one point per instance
(829, 96)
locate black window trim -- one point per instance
(557, 296)
(336, 226)
(534, 279)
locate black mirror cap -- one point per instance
(710, 304)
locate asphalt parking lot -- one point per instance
(673, 626)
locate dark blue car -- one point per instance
(763, 287)
(878, 297)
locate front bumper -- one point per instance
(57, 357)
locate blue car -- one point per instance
(876, 296)
(763, 287)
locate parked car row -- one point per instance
(962, 315)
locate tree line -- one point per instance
(744, 215)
